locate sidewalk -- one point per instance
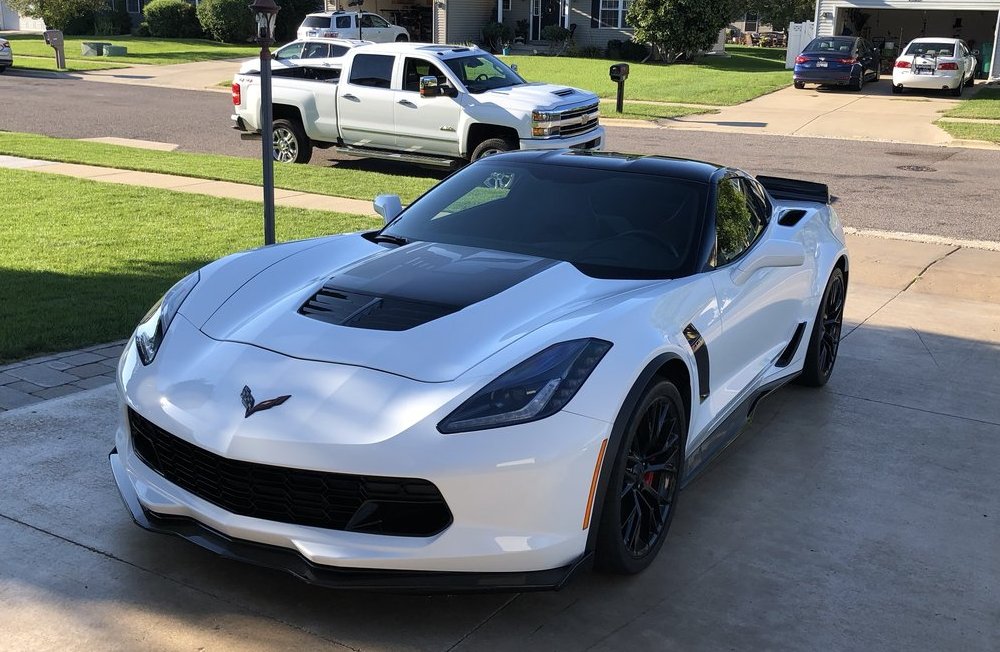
(195, 76)
(193, 185)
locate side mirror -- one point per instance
(772, 253)
(513, 67)
(429, 86)
(388, 206)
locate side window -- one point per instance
(343, 22)
(372, 70)
(289, 52)
(315, 51)
(414, 69)
(366, 20)
(737, 221)
(338, 50)
(378, 21)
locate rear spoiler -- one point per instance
(795, 190)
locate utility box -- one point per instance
(54, 39)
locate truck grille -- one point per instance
(337, 501)
(578, 121)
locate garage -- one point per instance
(891, 24)
(414, 15)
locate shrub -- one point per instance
(142, 29)
(627, 50)
(80, 24)
(112, 20)
(497, 35)
(171, 19)
(555, 34)
(227, 20)
(590, 52)
(292, 13)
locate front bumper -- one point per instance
(6, 58)
(938, 81)
(283, 559)
(591, 140)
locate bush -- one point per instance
(292, 13)
(171, 19)
(227, 20)
(627, 50)
(555, 34)
(112, 21)
(590, 52)
(497, 35)
(142, 29)
(80, 25)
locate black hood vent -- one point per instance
(417, 283)
(563, 92)
(336, 306)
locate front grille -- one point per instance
(337, 501)
(344, 308)
(578, 121)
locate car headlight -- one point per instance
(534, 389)
(149, 334)
(544, 123)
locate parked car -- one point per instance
(934, 64)
(429, 104)
(513, 378)
(307, 51)
(837, 61)
(6, 55)
(352, 25)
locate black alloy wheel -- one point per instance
(642, 493)
(825, 340)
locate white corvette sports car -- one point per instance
(508, 382)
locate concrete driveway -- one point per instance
(864, 516)
(873, 114)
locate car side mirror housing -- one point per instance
(388, 206)
(771, 253)
(429, 86)
(513, 67)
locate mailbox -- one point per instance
(619, 72)
(54, 39)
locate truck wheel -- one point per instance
(492, 146)
(291, 145)
(402, 38)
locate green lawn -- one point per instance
(82, 261)
(156, 51)
(987, 131)
(49, 63)
(985, 104)
(746, 74)
(357, 184)
(640, 111)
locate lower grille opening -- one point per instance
(337, 501)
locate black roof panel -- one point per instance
(679, 168)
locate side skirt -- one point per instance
(727, 431)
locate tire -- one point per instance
(492, 146)
(957, 91)
(878, 75)
(3, 69)
(971, 81)
(402, 38)
(897, 90)
(644, 483)
(856, 86)
(821, 356)
(800, 85)
(291, 145)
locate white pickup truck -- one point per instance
(421, 103)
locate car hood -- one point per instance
(424, 311)
(541, 97)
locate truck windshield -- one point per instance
(608, 224)
(483, 72)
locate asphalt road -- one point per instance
(950, 192)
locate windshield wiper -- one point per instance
(390, 239)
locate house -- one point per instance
(891, 24)
(11, 20)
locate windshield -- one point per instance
(832, 45)
(930, 49)
(608, 224)
(483, 72)
(316, 21)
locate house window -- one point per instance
(750, 22)
(613, 13)
(506, 5)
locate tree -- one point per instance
(680, 28)
(56, 14)
(779, 13)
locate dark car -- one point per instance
(837, 61)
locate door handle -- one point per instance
(408, 103)
(350, 97)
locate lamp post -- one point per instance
(265, 13)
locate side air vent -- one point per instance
(793, 345)
(791, 218)
(697, 344)
(563, 92)
(357, 310)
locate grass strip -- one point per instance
(640, 111)
(356, 184)
(22, 62)
(83, 261)
(141, 50)
(985, 131)
(984, 105)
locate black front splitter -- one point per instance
(290, 561)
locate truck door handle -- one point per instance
(348, 96)
(407, 103)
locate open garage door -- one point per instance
(414, 15)
(891, 29)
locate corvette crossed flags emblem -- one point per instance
(252, 406)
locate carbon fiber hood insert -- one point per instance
(416, 284)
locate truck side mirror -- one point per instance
(429, 86)
(388, 206)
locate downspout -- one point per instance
(994, 74)
(816, 19)
(500, 11)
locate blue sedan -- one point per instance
(837, 61)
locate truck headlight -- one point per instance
(149, 334)
(544, 123)
(534, 389)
